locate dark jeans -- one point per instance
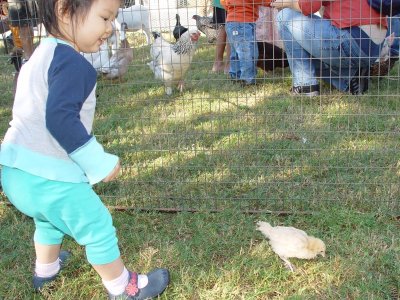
(394, 26)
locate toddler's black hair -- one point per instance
(49, 10)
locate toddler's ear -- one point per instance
(61, 12)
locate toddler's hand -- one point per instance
(113, 173)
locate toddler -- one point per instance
(50, 159)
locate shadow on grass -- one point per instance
(219, 144)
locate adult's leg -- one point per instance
(219, 20)
(220, 50)
(26, 34)
(23, 14)
(394, 27)
(295, 30)
(311, 43)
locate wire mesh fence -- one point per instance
(216, 142)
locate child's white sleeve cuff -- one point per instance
(94, 161)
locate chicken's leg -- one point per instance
(181, 85)
(288, 264)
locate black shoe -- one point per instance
(307, 90)
(358, 85)
(158, 282)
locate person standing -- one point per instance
(23, 16)
(240, 28)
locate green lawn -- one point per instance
(231, 150)
(222, 256)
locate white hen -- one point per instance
(170, 62)
(291, 242)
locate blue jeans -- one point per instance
(244, 51)
(394, 26)
(316, 49)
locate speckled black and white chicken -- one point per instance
(170, 62)
(178, 29)
(206, 26)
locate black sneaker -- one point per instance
(307, 90)
(358, 85)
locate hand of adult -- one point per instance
(280, 4)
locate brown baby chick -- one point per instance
(291, 242)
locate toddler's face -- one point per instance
(91, 32)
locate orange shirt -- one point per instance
(243, 11)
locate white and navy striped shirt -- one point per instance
(50, 132)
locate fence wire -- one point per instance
(220, 143)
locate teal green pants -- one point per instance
(60, 208)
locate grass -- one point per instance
(222, 256)
(219, 147)
(218, 144)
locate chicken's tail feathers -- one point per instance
(156, 34)
(264, 227)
